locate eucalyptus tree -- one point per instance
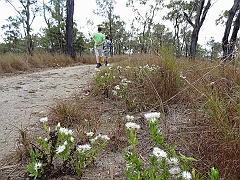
(146, 19)
(215, 49)
(55, 19)
(12, 33)
(27, 13)
(105, 9)
(177, 9)
(160, 37)
(201, 9)
(69, 29)
(229, 44)
(80, 42)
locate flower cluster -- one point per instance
(60, 149)
(152, 117)
(129, 118)
(83, 148)
(132, 125)
(120, 89)
(44, 119)
(99, 136)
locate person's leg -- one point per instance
(97, 59)
(107, 55)
(97, 52)
(106, 60)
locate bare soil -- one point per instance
(24, 98)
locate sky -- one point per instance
(84, 11)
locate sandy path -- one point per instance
(24, 98)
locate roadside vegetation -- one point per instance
(167, 118)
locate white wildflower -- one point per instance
(114, 92)
(211, 83)
(172, 161)
(128, 67)
(186, 175)
(132, 125)
(65, 131)
(70, 132)
(45, 119)
(65, 143)
(58, 126)
(182, 76)
(60, 149)
(129, 118)
(105, 137)
(159, 152)
(90, 134)
(174, 170)
(62, 130)
(119, 67)
(117, 87)
(83, 148)
(71, 139)
(152, 116)
(37, 166)
(96, 138)
(160, 131)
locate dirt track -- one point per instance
(24, 98)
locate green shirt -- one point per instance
(98, 38)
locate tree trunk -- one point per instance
(69, 29)
(194, 40)
(200, 17)
(28, 29)
(226, 45)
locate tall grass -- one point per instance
(15, 63)
(211, 91)
(142, 83)
(214, 137)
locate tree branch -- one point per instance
(188, 19)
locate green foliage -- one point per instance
(214, 174)
(58, 151)
(165, 164)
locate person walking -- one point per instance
(99, 39)
(106, 49)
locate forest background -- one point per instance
(137, 25)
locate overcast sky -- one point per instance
(84, 10)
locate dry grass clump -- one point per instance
(10, 63)
(213, 137)
(89, 114)
(140, 82)
(13, 63)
